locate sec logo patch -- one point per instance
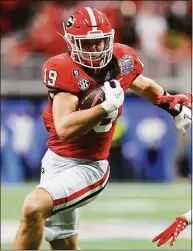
(83, 84)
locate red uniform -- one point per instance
(61, 73)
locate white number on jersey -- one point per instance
(50, 78)
(105, 128)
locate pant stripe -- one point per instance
(79, 202)
(83, 191)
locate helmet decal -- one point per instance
(70, 22)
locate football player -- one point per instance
(174, 229)
(75, 167)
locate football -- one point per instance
(92, 98)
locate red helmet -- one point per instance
(89, 24)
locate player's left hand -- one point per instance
(183, 120)
(171, 232)
(184, 99)
(183, 103)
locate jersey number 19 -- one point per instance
(50, 78)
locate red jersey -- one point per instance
(61, 73)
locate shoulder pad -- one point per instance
(56, 72)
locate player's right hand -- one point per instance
(171, 232)
(114, 96)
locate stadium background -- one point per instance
(150, 162)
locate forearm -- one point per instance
(147, 89)
(152, 92)
(79, 122)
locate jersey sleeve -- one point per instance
(132, 67)
(55, 76)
